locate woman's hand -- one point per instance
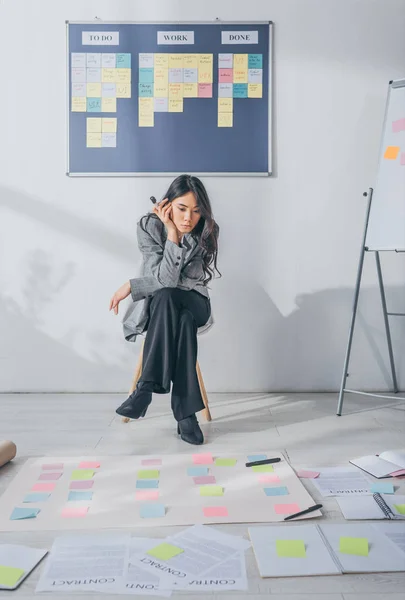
(164, 211)
(119, 295)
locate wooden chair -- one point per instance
(137, 375)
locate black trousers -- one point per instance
(170, 350)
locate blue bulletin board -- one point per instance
(168, 98)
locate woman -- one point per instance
(179, 245)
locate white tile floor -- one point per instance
(303, 426)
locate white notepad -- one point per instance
(20, 557)
(383, 465)
(369, 507)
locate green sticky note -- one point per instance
(263, 469)
(164, 551)
(356, 546)
(211, 490)
(148, 474)
(82, 474)
(10, 575)
(225, 462)
(290, 548)
(400, 508)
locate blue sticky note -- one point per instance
(144, 484)
(36, 497)
(240, 90)
(24, 513)
(152, 510)
(93, 104)
(382, 488)
(146, 75)
(76, 496)
(276, 491)
(196, 471)
(123, 61)
(254, 457)
(145, 90)
(255, 61)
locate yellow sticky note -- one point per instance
(164, 551)
(175, 61)
(123, 75)
(225, 105)
(351, 545)
(145, 112)
(9, 576)
(240, 61)
(79, 104)
(225, 120)
(391, 152)
(160, 90)
(93, 90)
(205, 62)
(400, 508)
(161, 60)
(255, 90)
(108, 104)
(108, 75)
(93, 125)
(175, 105)
(161, 75)
(123, 90)
(146, 120)
(84, 473)
(175, 91)
(263, 468)
(190, 61)
(211, 490)
(93, 140)
(109, 125)
(148, 474)
(290, 548)
(190, 90)
(240, 75)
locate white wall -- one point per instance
(289, 244)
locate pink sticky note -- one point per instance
(43, 487)
(269, 478)
(53, 467)
(225, 75)
(205, 90)
(203, 459)
(80, 511)
(203, 479)
(148, 462)
(85, 484)
(403, 158)
(49, 476)
(88, 464)
(308, 474)
(398, 125)
(286, 509)
(147, 495)
(398, 473)
(215, 511)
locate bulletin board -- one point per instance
(162, 99)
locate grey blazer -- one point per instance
(164, 264)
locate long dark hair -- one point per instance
(206, 231)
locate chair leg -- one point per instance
(137, 374)
(206, 411)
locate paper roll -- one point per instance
(8, 451)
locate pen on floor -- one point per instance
(267, 461)
(304, 512)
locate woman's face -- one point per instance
(185, 213)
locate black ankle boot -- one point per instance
(190, 431)
(137, 403)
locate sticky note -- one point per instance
(123, 90)
(276, 491)
(161, 60)
(402, 162)
(151, 511)
(108, 90)
(204, 479)
(203, 459)
(52, 467)
(196, 471)
(175, 91)
(93, 124)
(215, 511)
(108, 140)
(165, 551)
(401, 471)
(225, 90)
(391, 152)
(109, 105)
(145, 60)
(225, 105)
(148, 474)
(190, 61)
(286, 509)
(382, 488)
(81, 485)
(108, 60)
(205, 90)
(175, 61)
(161, 76)
(145, 75)
(93, 140)
(205, 62)
(93, 90)
(269, 479)
(255, 76)
(255, 90)
(93, 75)
(123, 60)
(175, 105)
(240, 61)
(307, 474)
(79, 104)
(240, 75)
(9, 576)
(108, 75)
(43, 487)
(190, 90)
(79, 75)
(49, 476)
(160, 90)
(211, 490)
(82, 474)
(190, 75)
(262, 468)
(397, 126)
(147, 495)
(255, 457)
(255, 61)
(93, 59)
(225, 75)
(24, 513)
(355, 546)
(36, 497)
(400, 508)
(143, 484)
(110, 126)
(240, 90)
(93, 104)
(225, 462)
(225, 61)
(74, 512)
(150, 462)
(78, 59)
(290, 548)
(145, 112)
(175, 75)
(145, 90)
(76, 496)
(123, 76)
(161, 104)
